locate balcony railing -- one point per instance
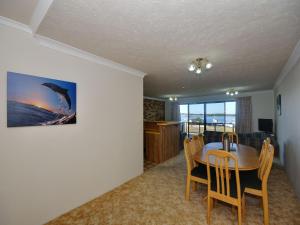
(194, 128)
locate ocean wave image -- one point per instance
(21, 114)
(37, 101)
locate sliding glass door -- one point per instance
(196, 118)
(230, 108)
(184, 117)
(215, 116)
(210, 116)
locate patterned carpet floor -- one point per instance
(148, 165)
(157, 198)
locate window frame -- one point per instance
(205, 114)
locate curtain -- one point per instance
(243, 115)
(175, 111)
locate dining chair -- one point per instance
(233, 137)
(196, 174)
(257, 183)
(222, 186)
(197, 143)
(264, 148)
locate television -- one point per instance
(265, 125)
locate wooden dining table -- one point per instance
(247, 155)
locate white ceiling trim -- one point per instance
(70, 50)
(157, 99)
(39, 14)
(220, 97)
(14, 24)
(67, 49)
(291, 62)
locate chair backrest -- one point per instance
(201, 140)
(264, 148)
(266, 163)
(222, 175)
(188, 155)
(197, 143)
(233, 137)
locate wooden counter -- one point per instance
(161, 140)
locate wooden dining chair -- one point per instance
(196, 174)
(197, 143)
(222, 186)
(257, 183)
(233, 137)
(264, 149)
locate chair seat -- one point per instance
(250, 179)
(200, 171)
(232, 183)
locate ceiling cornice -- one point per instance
(291, 62)
(157, 99)
(221, 97)
(39, 14)
(14, 24)
(67, 49)
(70, 50)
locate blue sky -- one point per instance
(29, 89)
(210, 108)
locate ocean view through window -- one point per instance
(210, 116)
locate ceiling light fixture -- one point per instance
(173, 99)
(232, 92)
(200, 65)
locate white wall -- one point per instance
(262, 104)
(262, 107)
(46, 171)
(288, 125)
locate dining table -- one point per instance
(248, 158)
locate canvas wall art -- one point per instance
(38, 101)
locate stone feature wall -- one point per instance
(154, 110)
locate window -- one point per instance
(215, 116)
(184, 113)
(230, 116)
(196, 118)
(212, 116)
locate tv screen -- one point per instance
(265, 125)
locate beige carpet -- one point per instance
(157, 198)
(148, 165)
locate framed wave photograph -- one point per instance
(39, 101)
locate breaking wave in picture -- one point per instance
(63, 105)
(21, 114)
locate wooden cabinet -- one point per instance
(161, 140)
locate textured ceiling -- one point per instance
(19, 10)
(247, 41)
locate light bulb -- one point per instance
(192, 67)
(236, 92)
(198, 71)
(208, 66)
(231, 94)
(171, 99)
(175, 99)
(227, 93)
